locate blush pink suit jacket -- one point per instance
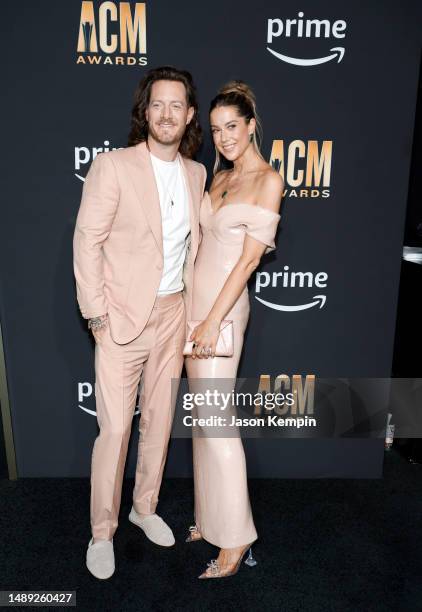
(118, 243)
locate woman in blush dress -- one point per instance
(239, 217)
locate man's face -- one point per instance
(167, 113)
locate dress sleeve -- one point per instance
(261, 224)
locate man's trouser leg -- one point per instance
(117, 372)
(164, 363)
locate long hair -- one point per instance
(192, 137)
(240, 95)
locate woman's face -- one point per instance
(230, 132)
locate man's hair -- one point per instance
(139, 126)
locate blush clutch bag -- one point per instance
(224, 347)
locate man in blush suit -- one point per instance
(135, 243)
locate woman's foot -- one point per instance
(194, 534)
(228, 562)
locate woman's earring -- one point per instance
(251, 137)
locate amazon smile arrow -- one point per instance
(319, 299)
(338, 52)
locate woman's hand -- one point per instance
(205, 338)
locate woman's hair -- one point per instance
(192, 137)
(240, 95)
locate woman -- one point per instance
(238, 218)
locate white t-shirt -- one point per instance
(175, 221)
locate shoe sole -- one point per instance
(100, 577)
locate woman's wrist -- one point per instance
(213, 319)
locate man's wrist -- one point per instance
(95, 323)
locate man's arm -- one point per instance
(100, 199)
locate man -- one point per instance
(135, 243)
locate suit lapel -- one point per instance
(193, 197)
(143, 179)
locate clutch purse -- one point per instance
(224, 347)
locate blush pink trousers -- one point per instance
(156, 354)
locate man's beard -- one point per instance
(169, 139)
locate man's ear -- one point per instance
(191, 112)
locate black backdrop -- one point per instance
(359, 106)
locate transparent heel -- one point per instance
(215, 571)
(250, 559)
(194, 534)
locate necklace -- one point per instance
(176, 175)
(226, 191)
(173, 179)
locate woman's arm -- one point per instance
(206, 334)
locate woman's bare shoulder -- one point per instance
(271, 179)
(271, 186)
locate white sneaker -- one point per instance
(100, 558)
(154, 528)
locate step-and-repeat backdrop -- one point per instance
(336, 90)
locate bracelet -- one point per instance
(97, 323)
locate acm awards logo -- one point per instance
(304, 166)
(291, 29)
(302, 390)
(112, 33)
(86, 396)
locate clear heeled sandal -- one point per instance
(215, 571)
(194, 534)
